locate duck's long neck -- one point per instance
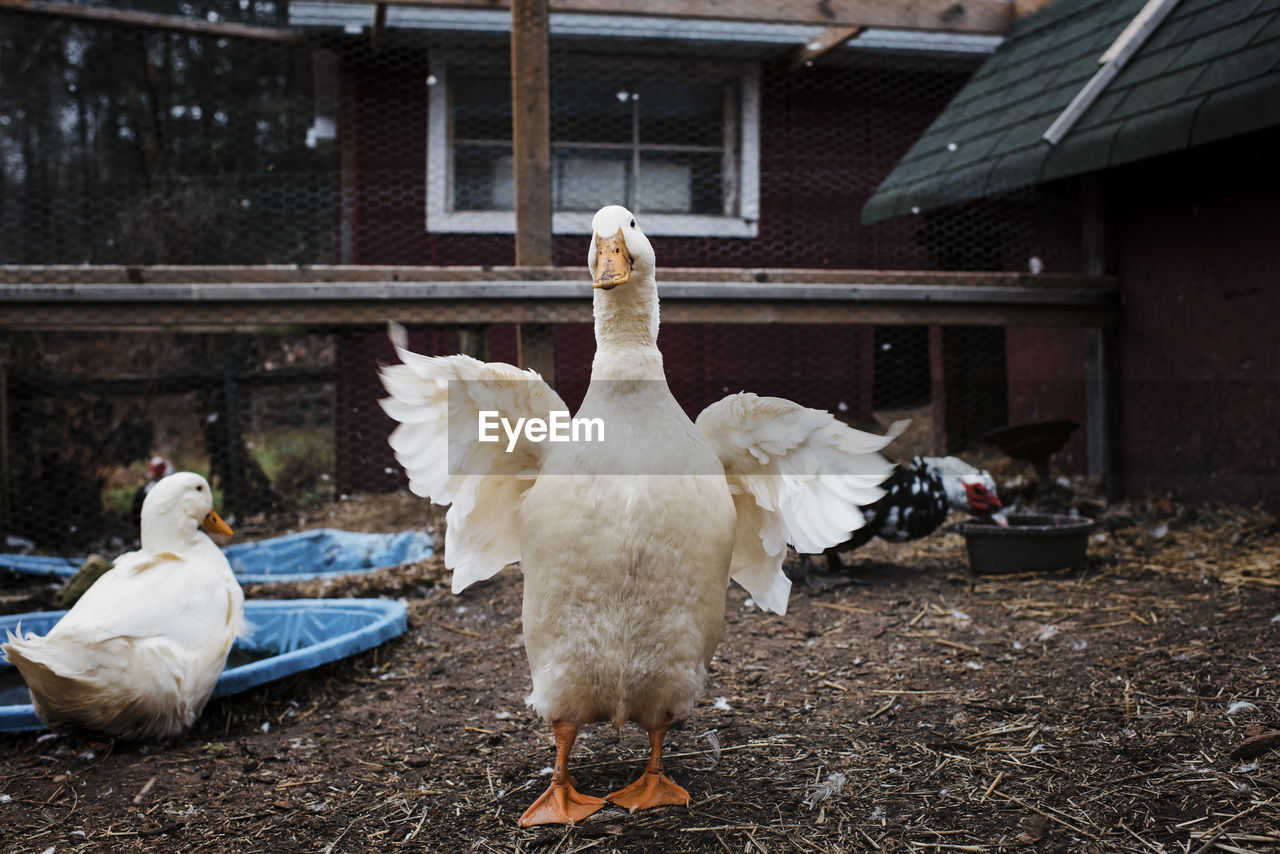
(169, 530)
(627, 332)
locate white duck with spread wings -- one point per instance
(626, 548)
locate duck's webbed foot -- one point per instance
(561, 803)
(651, 790)
(654, 788)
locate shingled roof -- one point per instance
(1210, 71)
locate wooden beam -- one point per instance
(1103, 378)
(355, 274)
(147, 20)
(1138, 30)
(379, 27)
(536, 349)
(222, 307)
(531, 146)
(253, 316)
(828, 39)
(5, 475)
(938, 393)
(295, 293)
(1023, 8)
(957, 16)
(1111, 63)
(531, 131)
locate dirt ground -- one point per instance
(1125, 708)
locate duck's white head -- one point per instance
(618, 249)
(173, 510)
(622, 268)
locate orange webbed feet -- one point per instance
(561, 803)
(654, 788)
(651, 790)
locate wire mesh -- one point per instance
(358, 144)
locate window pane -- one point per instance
(482, 178)
(589, 179)
(590, 111)
(592, 124)
(680, 183)
(681, 114)
(481, 108)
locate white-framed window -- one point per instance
(678, 143)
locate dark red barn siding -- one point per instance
(1046, 368)
(828, 136)
(1195, 237)
(388, 132)
(1198, 235)
(828, 368)
(364, 461)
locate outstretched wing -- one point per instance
(798, 476)
(438, 401)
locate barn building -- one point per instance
(1170, 147)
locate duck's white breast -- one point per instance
(625, 574)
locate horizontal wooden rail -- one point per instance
(472, 295)
(969, 16)
(66, 274)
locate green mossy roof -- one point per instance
(1210, 71)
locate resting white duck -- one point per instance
(626, 552)
(139, 654)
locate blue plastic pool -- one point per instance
(294, 634)
(322, 553)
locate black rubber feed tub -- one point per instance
(1032, 542)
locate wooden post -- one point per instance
(536, 349)
(531, 146)
(823, 42)
(233, 489)
(1102, 375)
(531, 131)
(379, 27)
(473, 341)
(348, 163)
(938, 391)
(6, 518)
(1023, 8)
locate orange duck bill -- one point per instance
(214, 525)
(613, 262)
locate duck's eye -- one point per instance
(200, 487)
(633, 223)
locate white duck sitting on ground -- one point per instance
(139, 654)
(627, 548)
(918, 498)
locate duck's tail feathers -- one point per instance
(88, 692)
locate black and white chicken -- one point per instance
(918, 497)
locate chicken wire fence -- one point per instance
(384, 138)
